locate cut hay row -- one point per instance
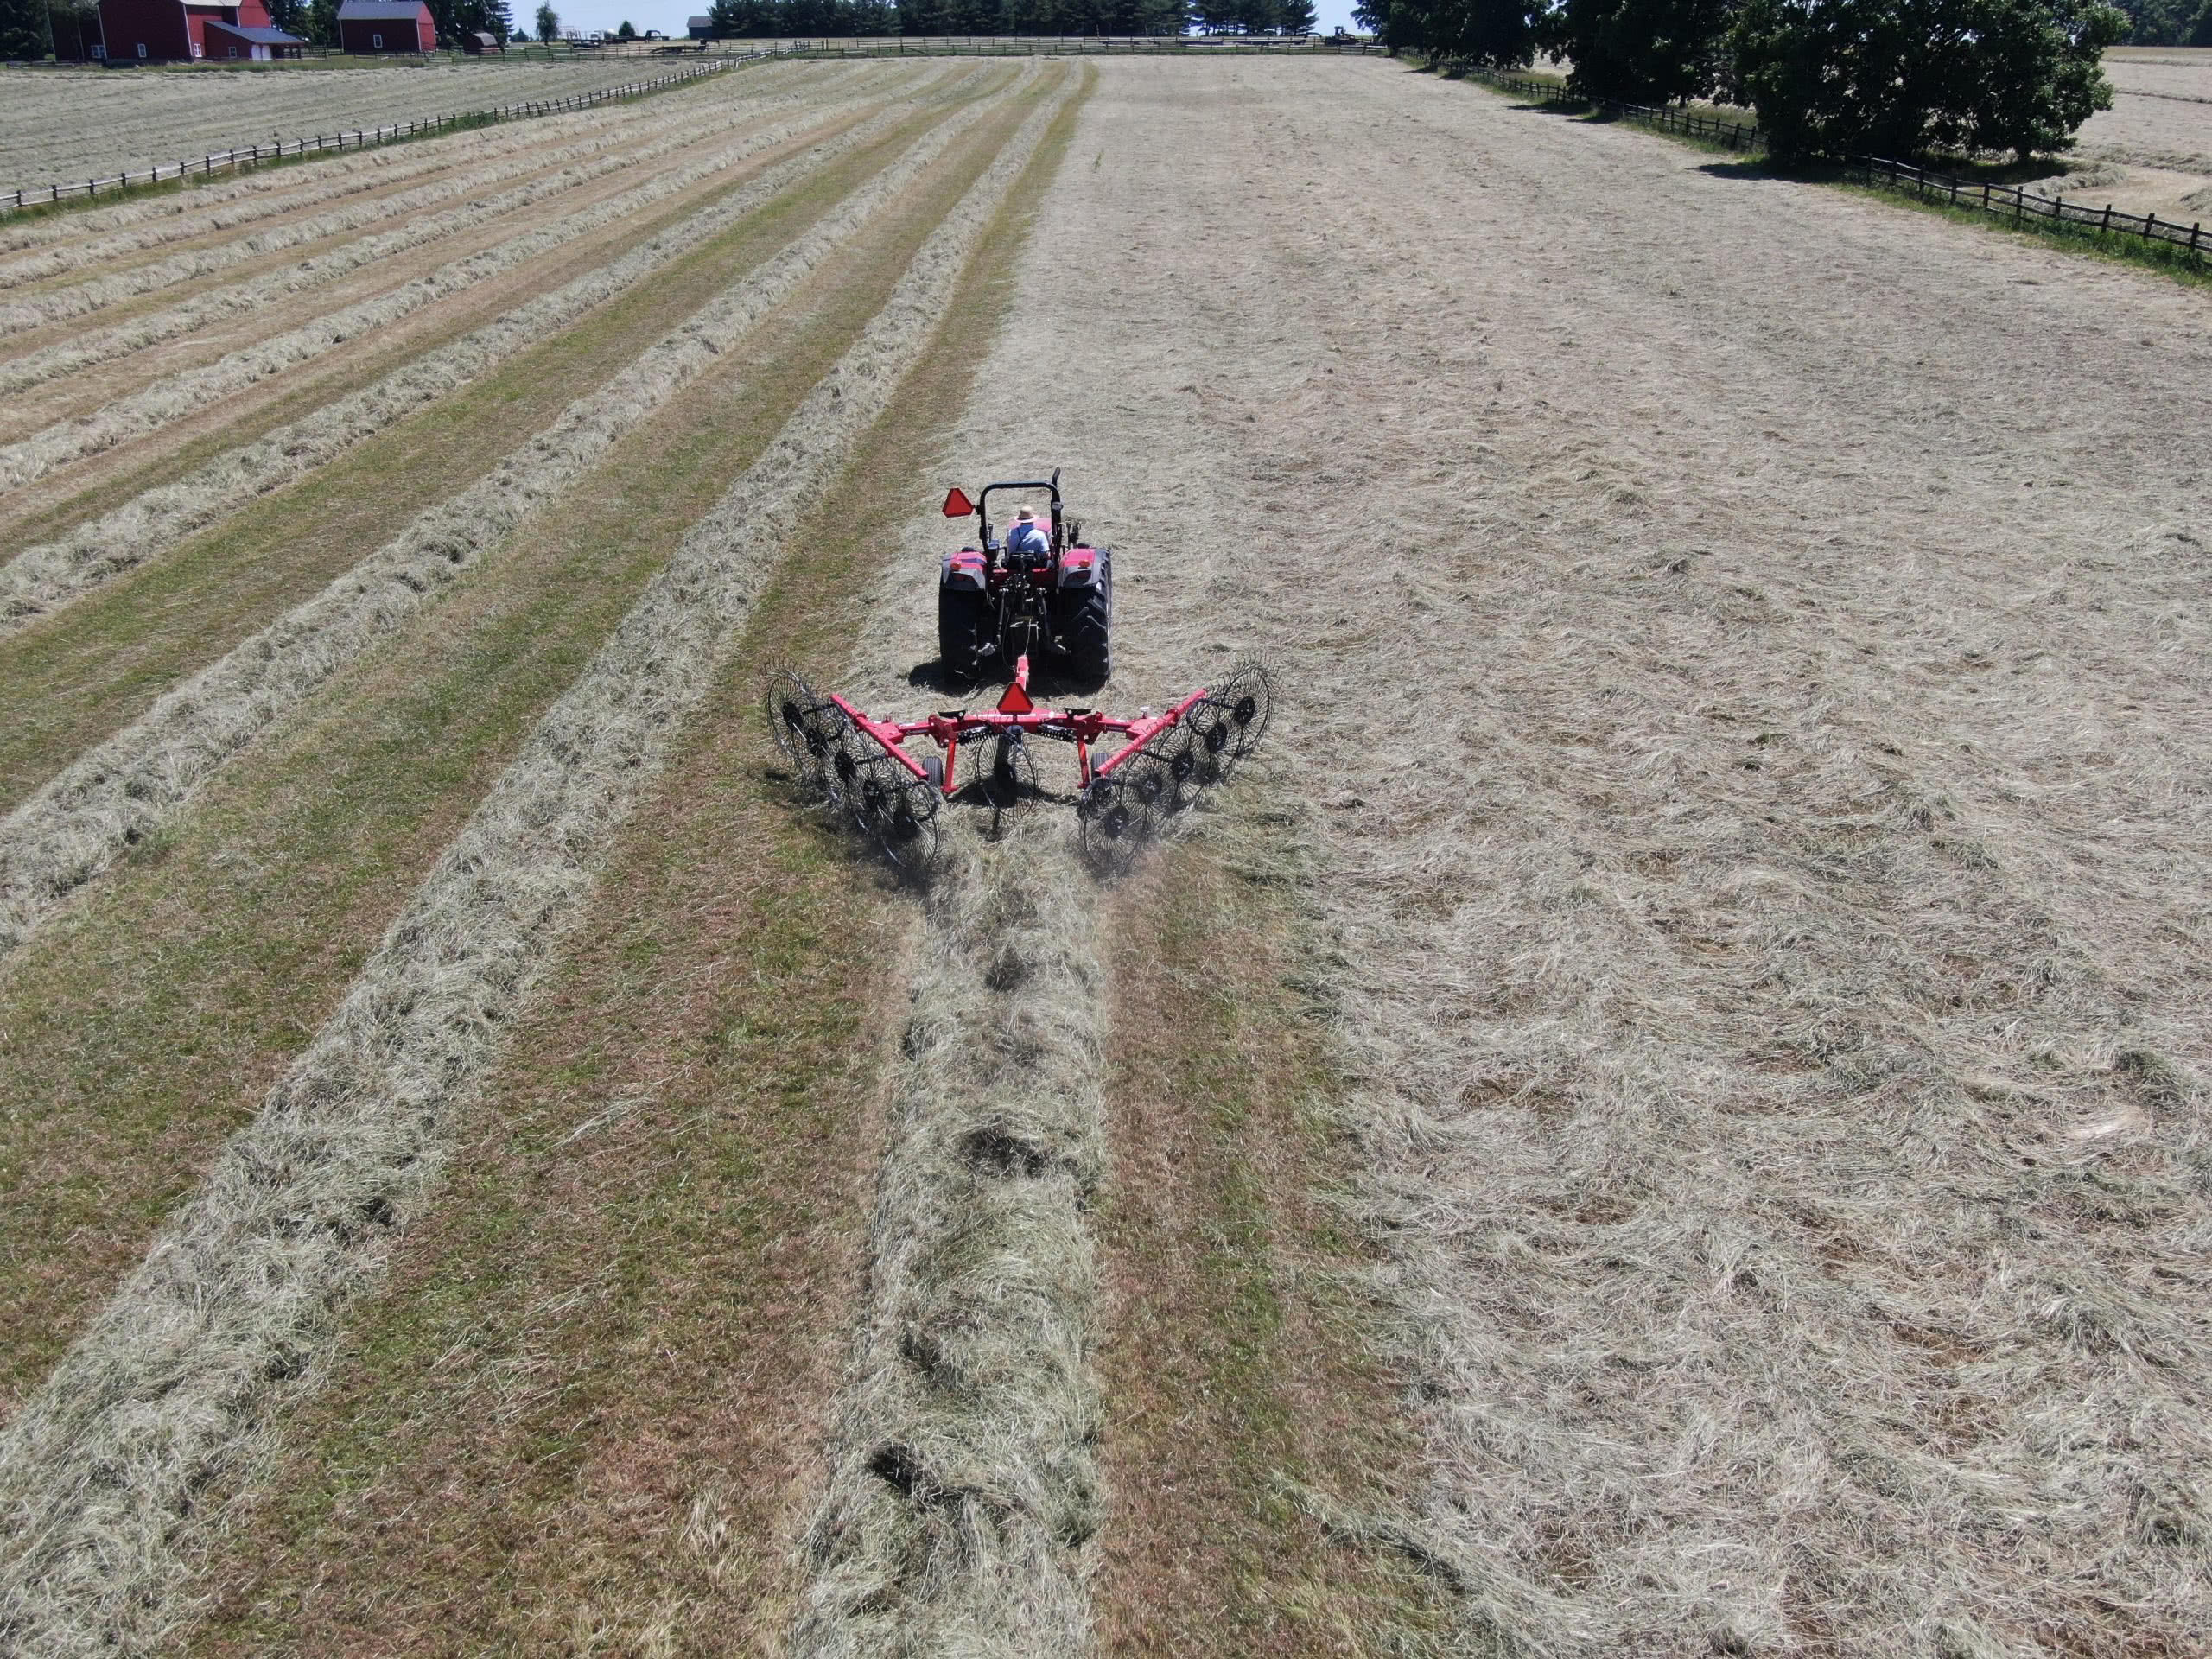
(118, 793)
(70, 125)
(1758, 768)
(184, 1375)
(547, 173)
(176, 396)
(964, 1483)
(231, 202)
(255, 293)
(45, 576)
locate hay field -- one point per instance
(79, 124)
(1665, 1113)
(2152, 152)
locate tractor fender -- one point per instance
(963, 571)
(1082, 567)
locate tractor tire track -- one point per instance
(45, 576)
(253, 295)
(118, 793)
(178, 395)
(186, 1373)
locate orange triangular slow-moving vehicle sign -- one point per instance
(957, 505)
(1016, 700)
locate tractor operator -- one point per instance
(1025, 540)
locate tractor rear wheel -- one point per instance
(964, 628)
(1088, 625)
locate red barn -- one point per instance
(178, 30)
(386, 26)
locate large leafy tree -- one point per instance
(548, 21)
(1643, 51)
(1899, 78)
(24, 37)
(1495, 33)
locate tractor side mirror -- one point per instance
(957, 505)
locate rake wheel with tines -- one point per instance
(1166, 763)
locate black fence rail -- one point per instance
(2025, 206)
(371, 138)
(1733, 134)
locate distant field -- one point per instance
(1665, 1112)
(2152, 152)
(67, 125)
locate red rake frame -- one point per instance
(1166, 763)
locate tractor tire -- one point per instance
(964, 628)
(1088, 626)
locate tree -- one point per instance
(1495, 33)
(549, 21)
(1642, 51)
(1899, 78)
(322, 21)
(628, 31)
(24, 35)
(1294, 17)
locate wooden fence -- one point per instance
(1733, 134)
(371, 138)
(2025, 207)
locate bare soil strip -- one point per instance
(48, 574)
(147, 411)
(215, 316)
(185, 1366)
(601, 1373)
(127, 787)
(1761, 774)
(262, 941)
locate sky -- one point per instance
(668, 16)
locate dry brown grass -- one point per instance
(75, 124)
(1759, 767)
(48, 574)
(206, 1333)
(278, 290)
(734, 1126)
(148, 409)
(111, 799)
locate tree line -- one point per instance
(763, 19)
(1828, 77)
(33, 29)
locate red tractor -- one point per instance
(1039, 591)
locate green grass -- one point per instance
(146, 1025)
(2193, 269)
(67, 681)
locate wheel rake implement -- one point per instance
(859, 766)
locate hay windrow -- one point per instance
(546, 174)
(600, 159)
(68, 123)
(178, 395)
(120, 792)
(183, 1378)
(965, 1484)
(44, 577)
(233, 201)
